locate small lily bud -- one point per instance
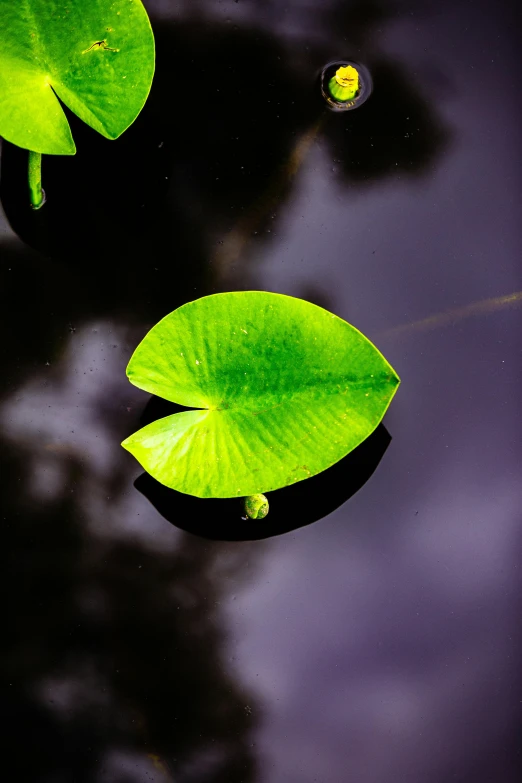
(256, 506)
(345, 85)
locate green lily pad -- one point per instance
(285, 389)
(97, 56)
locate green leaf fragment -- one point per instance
(285, 389)
(96, 56)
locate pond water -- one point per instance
(371, 630)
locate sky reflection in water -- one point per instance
(381, 643)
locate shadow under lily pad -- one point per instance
(290, 508)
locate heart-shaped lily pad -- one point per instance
(285, 389)
(97, 56)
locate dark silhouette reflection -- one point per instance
(395, 132)
(290, 508)
(110, 647)
(184, 171)
(113, 651)
(213, 150)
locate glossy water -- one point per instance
(378, 638)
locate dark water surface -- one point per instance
(379, 638)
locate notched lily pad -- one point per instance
(284, 389)
(97, 56)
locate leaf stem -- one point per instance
(36, 191)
